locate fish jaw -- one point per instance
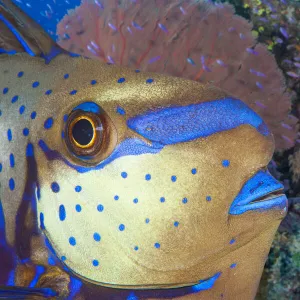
(260, 193)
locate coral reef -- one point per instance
(277, 23)
(280, 279)
(192, 39)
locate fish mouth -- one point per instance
(261, 192)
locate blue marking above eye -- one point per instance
(173, 125)
(89, 107)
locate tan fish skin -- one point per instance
(179, 230)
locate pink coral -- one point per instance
(191, 39)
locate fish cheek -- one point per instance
(166, 211)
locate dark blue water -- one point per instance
(47, 12)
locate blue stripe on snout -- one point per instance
(173, 125)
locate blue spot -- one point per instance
(78, 207)
(116, 197)
(148, 177)
(62, 134)
(162, 199)
(74, 92)
(38, 193)
(29, 150)
(232, 241)
(157, 245)
(63, 258)
(48, 92)
(14, 99)
(120, 111)
(42, 221)
(11, 184)
(51, 261)
(35, 84)
(136, 248)
(184, 200)
(33, 115)
(0, 113)
(173, 178)
(55, 187)
(100, 207)
(95, 263)
(232, 266)
(97, 237)
(147, 220)
(22, 109)
(225, 163)
(176, 224)
(122, 227)
(135, 200)
(124, 174)
(208, 198)
(149, 80)
(1, 167)
(62, 212)
(78, 188)
(121, 80)
(194, 171)
(66, 76)
(25, 131)
(137, 71)
(93, 82)
(132, 296)
(9, 134)
(65, 118)
(5, 90)
(20, 74)
(48, 123)
(12, 160)
(72, 241)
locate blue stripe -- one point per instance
(17, 35)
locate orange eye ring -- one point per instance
(93, 139)
(88, 128)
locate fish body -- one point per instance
(139, 185)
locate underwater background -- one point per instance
(275, 23)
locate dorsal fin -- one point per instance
(20, 33)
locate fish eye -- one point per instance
(89, 132)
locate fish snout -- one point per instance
(262, 192)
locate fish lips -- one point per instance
(260, 193)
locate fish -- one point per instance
(122, 184)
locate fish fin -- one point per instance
(15, 292)
(20, 33)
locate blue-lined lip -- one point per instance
(261, 192)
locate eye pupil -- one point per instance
(83, 132)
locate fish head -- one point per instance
(146, 180)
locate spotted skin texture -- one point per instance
(157, 204)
